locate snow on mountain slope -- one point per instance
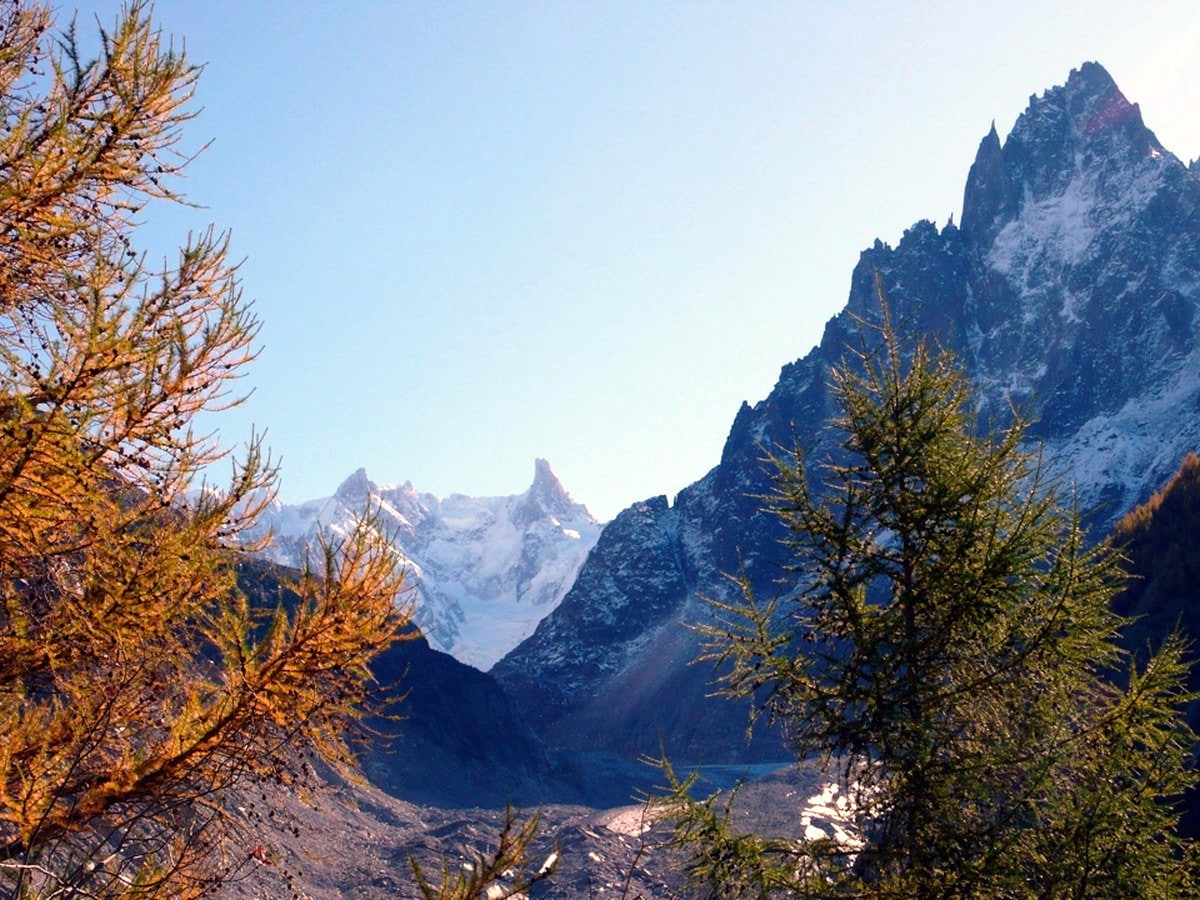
(1070, 291)
(1084, 312)
(485, 570)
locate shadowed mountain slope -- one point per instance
(1069, 291)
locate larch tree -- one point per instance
(138, 684)
(946, 647)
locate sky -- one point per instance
(481, 233)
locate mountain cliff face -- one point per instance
(1069, 290)
(484, 570)
(451, 730)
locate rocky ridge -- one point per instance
(1069, 291)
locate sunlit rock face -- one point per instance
(483, 571)
(1069, 291)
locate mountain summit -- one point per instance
(546, 497)
(1083, 128)
(484, 570)
(1069, 291)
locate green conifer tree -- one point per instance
(945, 647)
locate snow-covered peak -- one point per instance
(547, 490)
(1075, 148)
(484, 570)
(546, 497)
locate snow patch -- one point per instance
(631, 821)
(1061, 230)
(1058, 227)
(829, 813)
(1142, 443)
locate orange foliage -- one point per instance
(137, 682)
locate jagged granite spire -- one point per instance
(989, 200)
(1084, 126)
(1079, 125)
(356, 489)
(547, 495)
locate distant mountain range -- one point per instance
(1069, 290)
(484, 570)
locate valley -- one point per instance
(1068, 291)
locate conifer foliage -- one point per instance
(1161, 538)
(137, 683)
(946, 646)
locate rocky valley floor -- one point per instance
(356, 841)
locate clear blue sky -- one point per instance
(479, 233)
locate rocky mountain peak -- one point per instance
(1071, 292)
(988, 199)
(483, 570)
(356, 489)
(1089, 108)
(548, 492)
(1083, 130)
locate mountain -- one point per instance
(1069, 291)
(456, 729)
(439, 730)
(484, 570)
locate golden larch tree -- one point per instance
(138, 684)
